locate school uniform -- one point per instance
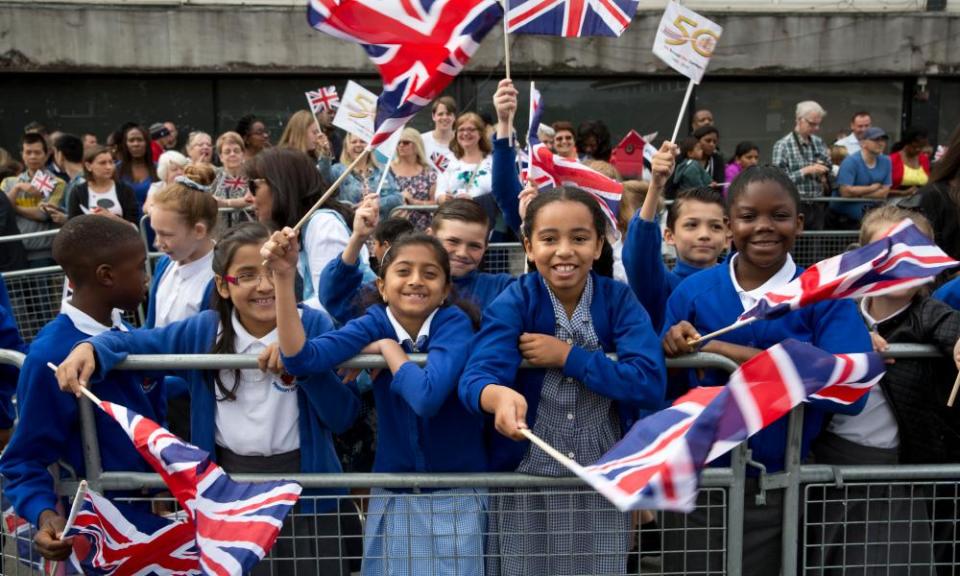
(10, 340)
(949, 293)
(276, 425)
(49, 425)
(581, 409)
(342, 288)
(506, 182)
(712, 300)
(646, 273)
(422, 427)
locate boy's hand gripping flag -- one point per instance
(233, 524)
(658, 463)
(419, 46)
(570, 18)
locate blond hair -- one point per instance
(347, 157)
(230, 138)
(886, 216)
(413, 136)
(191, 204)
(295, 132)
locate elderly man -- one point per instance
(859, 124)
(805, 159)
(701, 118)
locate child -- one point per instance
(104, 260)
(905, 421)
(764, 217)
(566, 318)
(690, 172)
(462, 227)
(696, 225)
(249, 420)
(422, 427)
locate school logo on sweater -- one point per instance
(286, 383)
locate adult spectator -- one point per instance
(593, 141)
(13, 256)
(170, 166)
(747, 155)
(911, 165)
(940, 199)
(860, 122)
(363, 179)
(436, 143)
(866, 174)
(564, 140)
(230, 184)
(89, 141)
(701, 118)
(36, 210)
(9, 166)
(414, 178)
(102, 194)
(471, 174)
(136, 168)
(169, 142)
(334, 136)
(68, 152)
(200, 147)
(712, 160)
(303, 133)
(805, 159)
(157, 132)
(256, 137)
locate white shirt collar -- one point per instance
(198, 266)
(246, 341)
(86, 324)
(871, 321)
(403, 336)
(750, 297)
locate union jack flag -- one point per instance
(902, 259)
(234, 523)
(231, 184)
(323, 99)
(21, 531)
(44, 182)
(657, 464)
(419, 46)
(549, 170)
(570, 18)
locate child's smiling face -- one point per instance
(563, 244)
(765, 222)
(414, 284)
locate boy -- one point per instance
(104, 260)
(696, 226)
(462, 227)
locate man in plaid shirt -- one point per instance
(806, 160)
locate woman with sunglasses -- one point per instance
(414, 178)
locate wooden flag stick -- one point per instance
(553, 452)
(74, 510)
(506, 39)
(953, 393)
(683, 110)
(716, 333)
(333, 188)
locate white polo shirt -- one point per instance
(181, 290)
(749, 298)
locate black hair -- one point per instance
(71, 147)
(125, 169)
(34, 138)
(704, 130)
(243, 234)
(687, 144)
(462, 209)
(245, 124)
(742, 149)
(420, 239)
(909, 136)
(765, 173)
(603, 265)
(704, 194)
(88, 241)
(598, 130)
(389, 229)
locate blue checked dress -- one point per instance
(571, 531)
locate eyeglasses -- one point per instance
(562, 138)
(405, 142)
(465, 129)
(260, 133)
(812, 124)
(248, 279)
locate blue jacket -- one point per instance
(49, 428)
(506, 182)
(351, 189)
(326, 404)
(10, 340)
(635, 381)
(646, 272)
(949, 293)
(421, 425)
(162, 264)
(342, 289)
(709, 301)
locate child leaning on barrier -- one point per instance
(9, 340)
(905, 421)
(565, 318)
(422, 427)
(104, 260)
(249, 420)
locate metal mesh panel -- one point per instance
(814, 246)
(507, 257)
(35, 296)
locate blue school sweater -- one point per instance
(649, 277)
(49, 428)
(10, 340)
(709, 301)
(636, 381)
(326, 404)
(421, 425)
(949, 293)
(506, 182)
(162, 264)
(342, 289)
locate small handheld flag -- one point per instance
(44, 183)
(323, 100)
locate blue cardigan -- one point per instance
(326, 404)
(10, 340)
(49, 428)
(709, 301)
(342, 288)
(421, 426)
(506, 182)
(162, 264)
(636, 381)
(646, 272)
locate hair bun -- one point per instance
(200, 172)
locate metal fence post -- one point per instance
(791, 494)
(91, 447)
(737, 493)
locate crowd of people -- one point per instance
(360, 277)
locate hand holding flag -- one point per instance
(44, 183)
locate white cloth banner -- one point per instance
(686, 41)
